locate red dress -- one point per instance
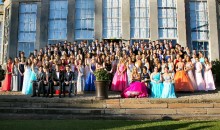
(6, 86)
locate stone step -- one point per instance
(82, 111)
(29, 116)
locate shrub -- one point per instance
(101, 75)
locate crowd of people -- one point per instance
(143, 69)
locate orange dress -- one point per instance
(7, 82)
(182, 82)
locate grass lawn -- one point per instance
(106, 124)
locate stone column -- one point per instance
(71, 21)
(188, 27)
(125, 20)
(98, 19)
(13, 30)
(154, 35)
(213, 29)
(181, 22)
(42, 24)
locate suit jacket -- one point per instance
(40, 76)
(49, 77)
(69, 77)
(55, 77)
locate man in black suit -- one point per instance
(38, 84)
(57, 78)
(68, 80)
(47, 78)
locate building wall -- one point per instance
(43, 14)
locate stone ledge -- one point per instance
(190, 105)
(137, 106)
(151, 111)
(9, 116)
(191, 111)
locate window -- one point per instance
(112, 19)
(167, 19)
(199, 26)
(27, 27)
(58, 21)
(84, 19)
(140, 19)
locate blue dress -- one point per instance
(168, 90)
(26, 81)
(156, 86)
(90, 85)
(33, 77)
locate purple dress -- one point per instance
(199, 79)
(191, 76)
(208, 77)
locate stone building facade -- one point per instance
(32, 24)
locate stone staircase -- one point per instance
(21, 107)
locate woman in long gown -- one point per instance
(15, 72)
(109, 68)
(136, 88)
(80, 78)
(87, 66)
(198, 75)
(90, 85)
(130, 66)
(182, 81)
(208, 77)
(170, 66)
(7, 82)
(20, 74)
(145, 78)
(120, 80)
(27, 77)
(34, 71)
(168, 90)
(156, 84)
(189, 69)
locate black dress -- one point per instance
(144, 77)
(108, 67)
(20, 77)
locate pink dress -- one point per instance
(208, 77)
(135, 89)
(120, 81)
(198, 75)
(191, 76)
